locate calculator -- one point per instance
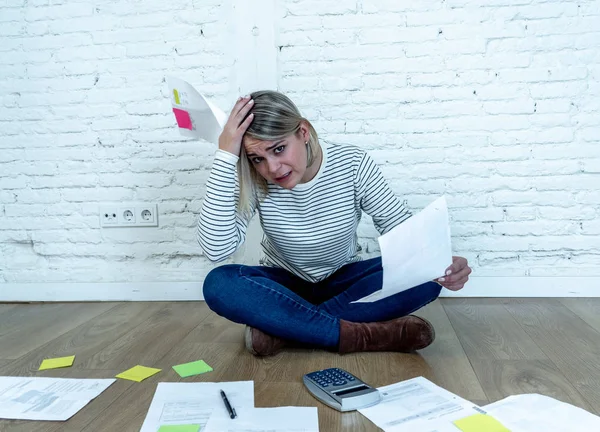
(340, 389)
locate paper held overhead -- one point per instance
(416, 251)
(196, 116)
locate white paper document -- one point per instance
(416, 251)
(194, 403)
(418, 405)
(281, 419)
(534, 413)
(196, 116)
(58, 399)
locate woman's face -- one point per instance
(281, 162)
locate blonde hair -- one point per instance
(275, 117)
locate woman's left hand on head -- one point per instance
(457, 274)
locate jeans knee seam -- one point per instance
(287, 297)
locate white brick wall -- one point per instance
(85, 120)
(494, 103)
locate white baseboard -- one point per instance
(524, 286)
(187, 291)
(119, 291)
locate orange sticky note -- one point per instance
(55, 363)
(480, 423)
(183, 118)
(138, 373)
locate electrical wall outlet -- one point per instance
(146, 215)
(108, 217)
(128, 215)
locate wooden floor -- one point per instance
(486, 349)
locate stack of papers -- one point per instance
(198, 406)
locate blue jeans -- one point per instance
(282, 304)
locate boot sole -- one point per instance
(248, 341)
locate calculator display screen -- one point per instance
(352, 390)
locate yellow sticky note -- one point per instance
(176, 94)
(138, 373)
(55, 363)
(480, 423)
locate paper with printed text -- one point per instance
(194, 403)
(40, 398)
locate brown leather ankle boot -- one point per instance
(404, 334)
(260, 343)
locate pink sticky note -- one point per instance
(183, 118)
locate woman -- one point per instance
(310, 197)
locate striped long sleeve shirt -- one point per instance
(309, 230)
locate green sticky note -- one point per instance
(180, 428)
(138, 373)
(480, 423)
(192, 368)
(55, 363)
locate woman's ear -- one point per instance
(304, 131)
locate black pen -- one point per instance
(232, 413)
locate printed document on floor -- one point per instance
(57, 399)
(534, 413)
(418, 250)
(193, 403)
(281, 419)
(419, 405)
